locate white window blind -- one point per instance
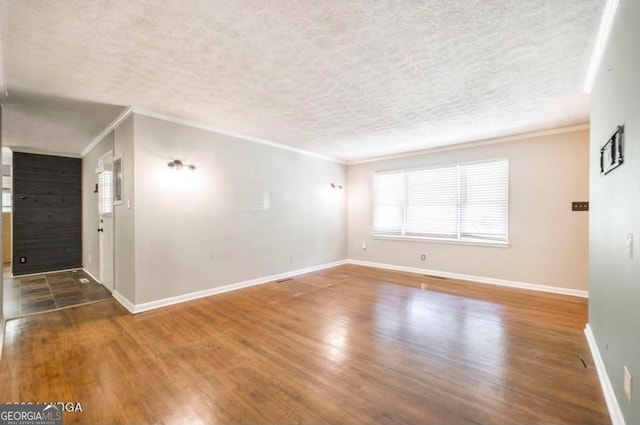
(105, 192)
(457, 202)
(484, 201)
(388, 207)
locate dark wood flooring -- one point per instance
(49, 291)
(347, 345)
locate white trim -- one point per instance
(202, 126)
(473, 242)
(94, 278)
(512, 138)
(478, 279)
(128, 111)
(609, 395)
(48, 271)
(152, 305)
(599, 46)
(3, 323)
(131, 308)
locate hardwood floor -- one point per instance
(345, 345)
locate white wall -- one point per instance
(248, 211)
(90, 237)
(548, 242)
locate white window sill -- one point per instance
(473, 242)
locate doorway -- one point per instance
(105, 219)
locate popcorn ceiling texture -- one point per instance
(347, 79)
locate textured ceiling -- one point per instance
(36, 123)
(347, 79)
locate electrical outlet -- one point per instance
(627, 383)
(291, 259)
(89, 257)
(423, 257)
(580, 206)
(23, 260)
(630, 246)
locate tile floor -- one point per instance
(49, 291)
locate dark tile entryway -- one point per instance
(50, 291)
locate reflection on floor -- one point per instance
(49, 291)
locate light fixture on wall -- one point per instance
(176, 164)
(336, 186)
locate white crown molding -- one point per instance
(202, 126)
(106, 131)
(476, 279)
(484, 142)
(609, 395)
(152, 305)
(599, 46)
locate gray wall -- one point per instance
(123, 214)
(548, 242)
(90, 237)
(614, 279)
(246, 203)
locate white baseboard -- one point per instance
(40, 273)
(151, 305)
(3, 323)
(98, 280)
(92, 276)
(605, 382)
(131, 307)
(478, 279)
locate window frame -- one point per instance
(459, 239)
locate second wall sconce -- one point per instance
(176, 164)
(336, 186)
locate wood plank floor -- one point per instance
(347, 345)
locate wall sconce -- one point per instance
(176, 164)
(336, 186)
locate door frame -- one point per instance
(106, 158)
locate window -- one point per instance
(463, 202)
(6, 193)
(117, 174)
(105, 192)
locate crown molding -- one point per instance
(512, 138)
(116, 122)
(206, 127)
(608, 16)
